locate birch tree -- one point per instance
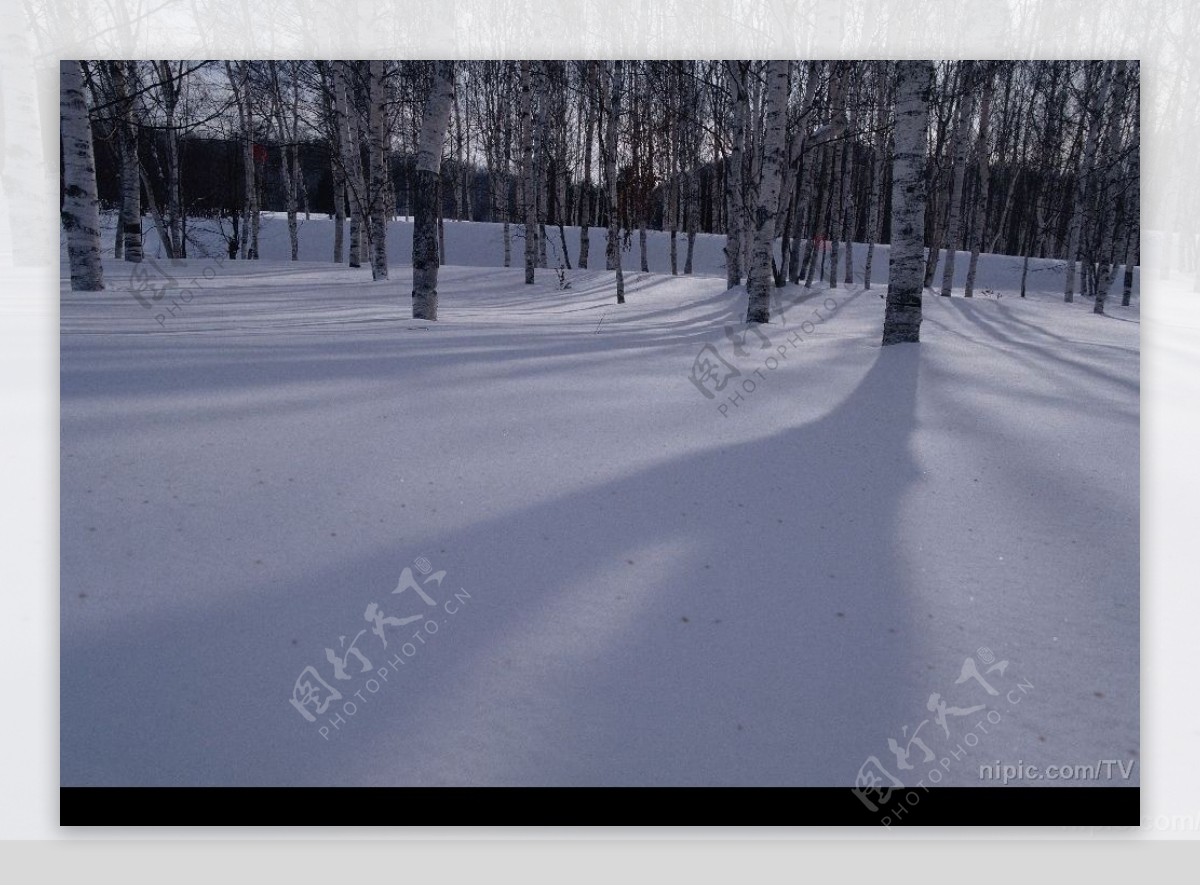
(239, 85)
(81, 205)
(1133, 235)
(131, 179)
(379, 171)
(736, 73)
(840, 162)
(528, 201)
(288, 125)
(587, 113)
(1108, 213)
(170, 88)
(773, 148)
(351, 160)
(879, 154)
(337, 173)
(979, 217)
(427, 193)
(906, 264)
(1093, 107)
(961, 150)
(612, 98)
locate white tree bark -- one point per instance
(351, 160)
(1112, 184)
(131, 178)
(379, 172)
(906, 264)
(875, 212)
(773, 147)
(734, 191)
(506, 232)
(81, 206)
(1133, 240)
(239, 85)
(1093, 108)
(427, 192)
(170, 89)
(541, 160)
(961, 148)
(528, 202)
(586, 106)
(288, 159)
(979, 220)
(613, 246)
(841, 160)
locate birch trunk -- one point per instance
(294, 179)
(506, 178)
(1083, 180)
(160, 223)
(175, 220)
(426, 195)
(1111, 187)
(612, 250)
(81, 205)
(238, 84)
(803, 175)
(837, 203)
(835, 212)
(131, 179)
(875, 212)
(339, 212)
(734, 190)
(961, 147)
(286, 164)
(690, 213)
(671, 191)
(378, 142)
(351, 161)
(528, 206)
(979, 219)
(774, 149)
(1132, 247)
(585, 194)
(541, 161)
(798, 215)
(849, 205)
(902, 317)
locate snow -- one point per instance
(659, 593)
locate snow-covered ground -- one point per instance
(641, 587)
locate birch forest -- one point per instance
(601, 423)
(803, 168)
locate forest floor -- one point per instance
(642, 585)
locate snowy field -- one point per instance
(641, 588)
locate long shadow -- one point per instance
(207, 374)
(1052, 355)
(736, 615)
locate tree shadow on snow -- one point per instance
(738, 615)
